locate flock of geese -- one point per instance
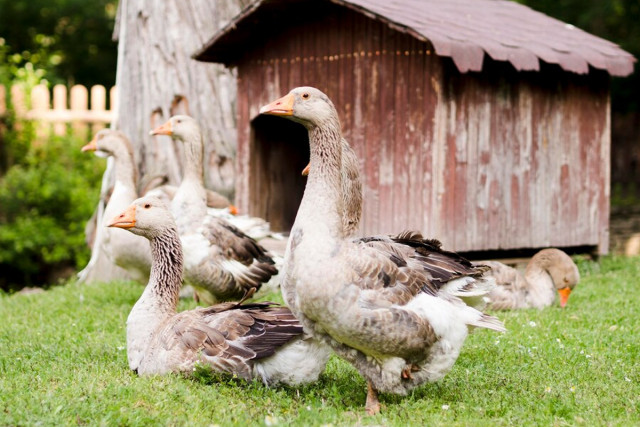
(398, 308)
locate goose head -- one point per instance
(180, 127)
(147, 216)
(109, 142)
(562, 269)
(305, 105)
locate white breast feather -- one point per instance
(196, 249)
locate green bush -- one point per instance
(45, 201)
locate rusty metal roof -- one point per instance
(463, 30)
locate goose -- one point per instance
(221, 262)
(351, 189)
(124, 249)
(550, 271)
(390, 306)
(259, 340)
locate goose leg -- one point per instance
(373, 404)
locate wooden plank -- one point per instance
(244, 174)
(79, 102)
(40, 100)
(59, 105)
(387, 122)
(372, 123)
(18, 100)
(98, 103)
(400, 143)
(431, 87)
(415, 117)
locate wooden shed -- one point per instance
(480, 122)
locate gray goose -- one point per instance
(221, 262)
(388, 305)
(124, 249)
(259, 340)
(549, 272)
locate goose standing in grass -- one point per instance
(550, 272)
(259, 340)
(388, 305)
(124, 249)
(221, 262)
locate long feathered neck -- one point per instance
(126, 171)
(193, 157)
(321, 206)
(189, 205)
(165, 279)
(160, 297)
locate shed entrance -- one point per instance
(279, 151)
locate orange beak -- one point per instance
(233, 210)
(126, 219)
(280, 107)
(564, 296)
(91, 146)
(165, 129)
(305, 171)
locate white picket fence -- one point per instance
(81, 107)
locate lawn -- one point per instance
(63, 362)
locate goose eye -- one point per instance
(179, 121)
(305, 96)
(147, 206)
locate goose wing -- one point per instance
(235, 262)
(511, 289)
(230, 337)
(407, 264)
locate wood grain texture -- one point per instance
(482, 161)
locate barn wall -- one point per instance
(492, 160)
(527, 159)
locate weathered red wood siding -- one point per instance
(491, 160)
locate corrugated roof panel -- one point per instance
(461, 29)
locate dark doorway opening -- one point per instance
(279, 151)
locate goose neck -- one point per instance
(165, 279)
(321, 204)
(126, 172)
(193, 156)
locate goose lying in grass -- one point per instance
(388, 305)
(550, 272)
(221, 262)
(259, 340)
(124, 249)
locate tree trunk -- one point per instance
(156, 78)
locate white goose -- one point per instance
(388, 305)
(124, 249)
(550, 272)
(260, 340)
(221, 262)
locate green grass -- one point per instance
(63, 362)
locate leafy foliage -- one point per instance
(70, 40)
(44, 203)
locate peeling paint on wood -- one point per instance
(493, 160)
